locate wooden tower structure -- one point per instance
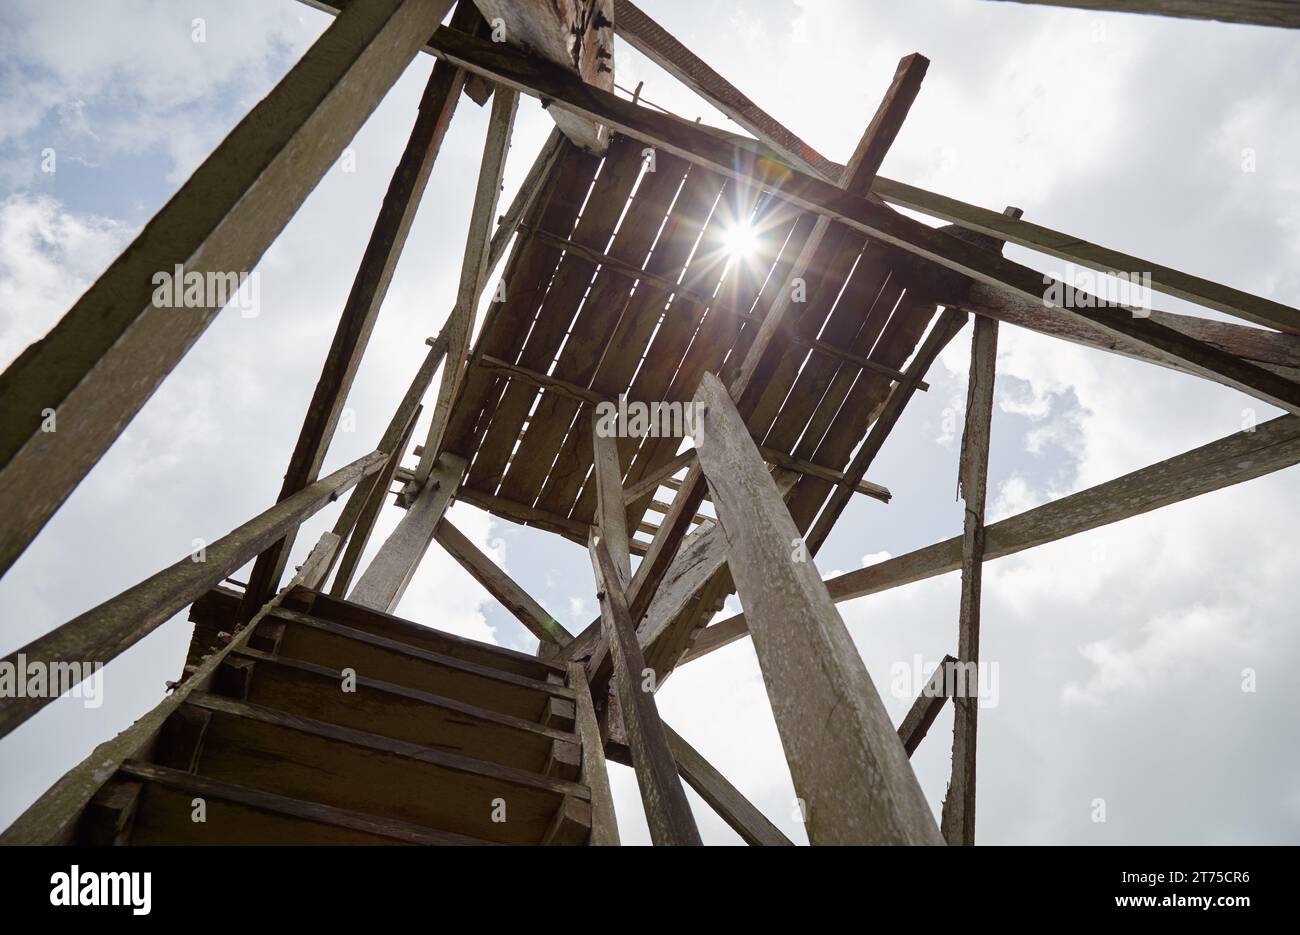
(791, 374)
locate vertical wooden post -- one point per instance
(959, 806)
(667, 811)
(595, 774)
(611, 510)
(849, 769)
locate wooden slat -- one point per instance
(667, 812)
(1272, 446)
(573, 275)
(848, 766)
(501, 586)
(584, 349)
(369, 288)
(99, 365)
(958, 824)
(386, 578)
(1258, 12)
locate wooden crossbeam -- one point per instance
(1257, 12)
(958, 823)
(927, 706)
(501, 586)
(1270, 447)
(99, 365)
(357, 320)
(876, 221)
(386, 578)
(848, 767)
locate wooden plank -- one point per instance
(369, 288)
(1257, 12)
(218, 791)
(927, 706)
(667, 812)
(958, 823)
(106, 631)
(386, 578)
(473, 272)
(99, 365)
(1272, 446)
(595, 774)
(875, 220)
(501, 586)
(848, 767)
(611, 513)
(52, 819)
(724, 798)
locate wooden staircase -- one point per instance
(331, 723)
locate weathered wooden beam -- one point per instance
(595, 774)
(69, 396)
(927, 706)
(385, 579)
(577, 35)
(1276, 351)
(1074, 249)
(667, 812)
(724, 798)
(611, 512)
(1268, 447)
(877, 221)
(849, 769)
(501, 586)
(473, 271)
(369, 288)
(958, 822)
(1257, 12)
(657, 44)
(101, 634)
(53, 818)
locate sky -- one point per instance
(1120, 654)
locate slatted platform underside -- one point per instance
(620, 281)
(337, 724)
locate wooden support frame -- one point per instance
(369, 288)
(958, 822)
(385, 580)
(99, 365)
(667, 811)
(1271, 446)
(501, 586)
(595, 774)
(1256, 12)
(848, 766)
(103, 633)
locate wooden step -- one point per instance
(356, 770)
(310, 690)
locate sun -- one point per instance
(740, 240)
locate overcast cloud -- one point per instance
(1120, 652)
